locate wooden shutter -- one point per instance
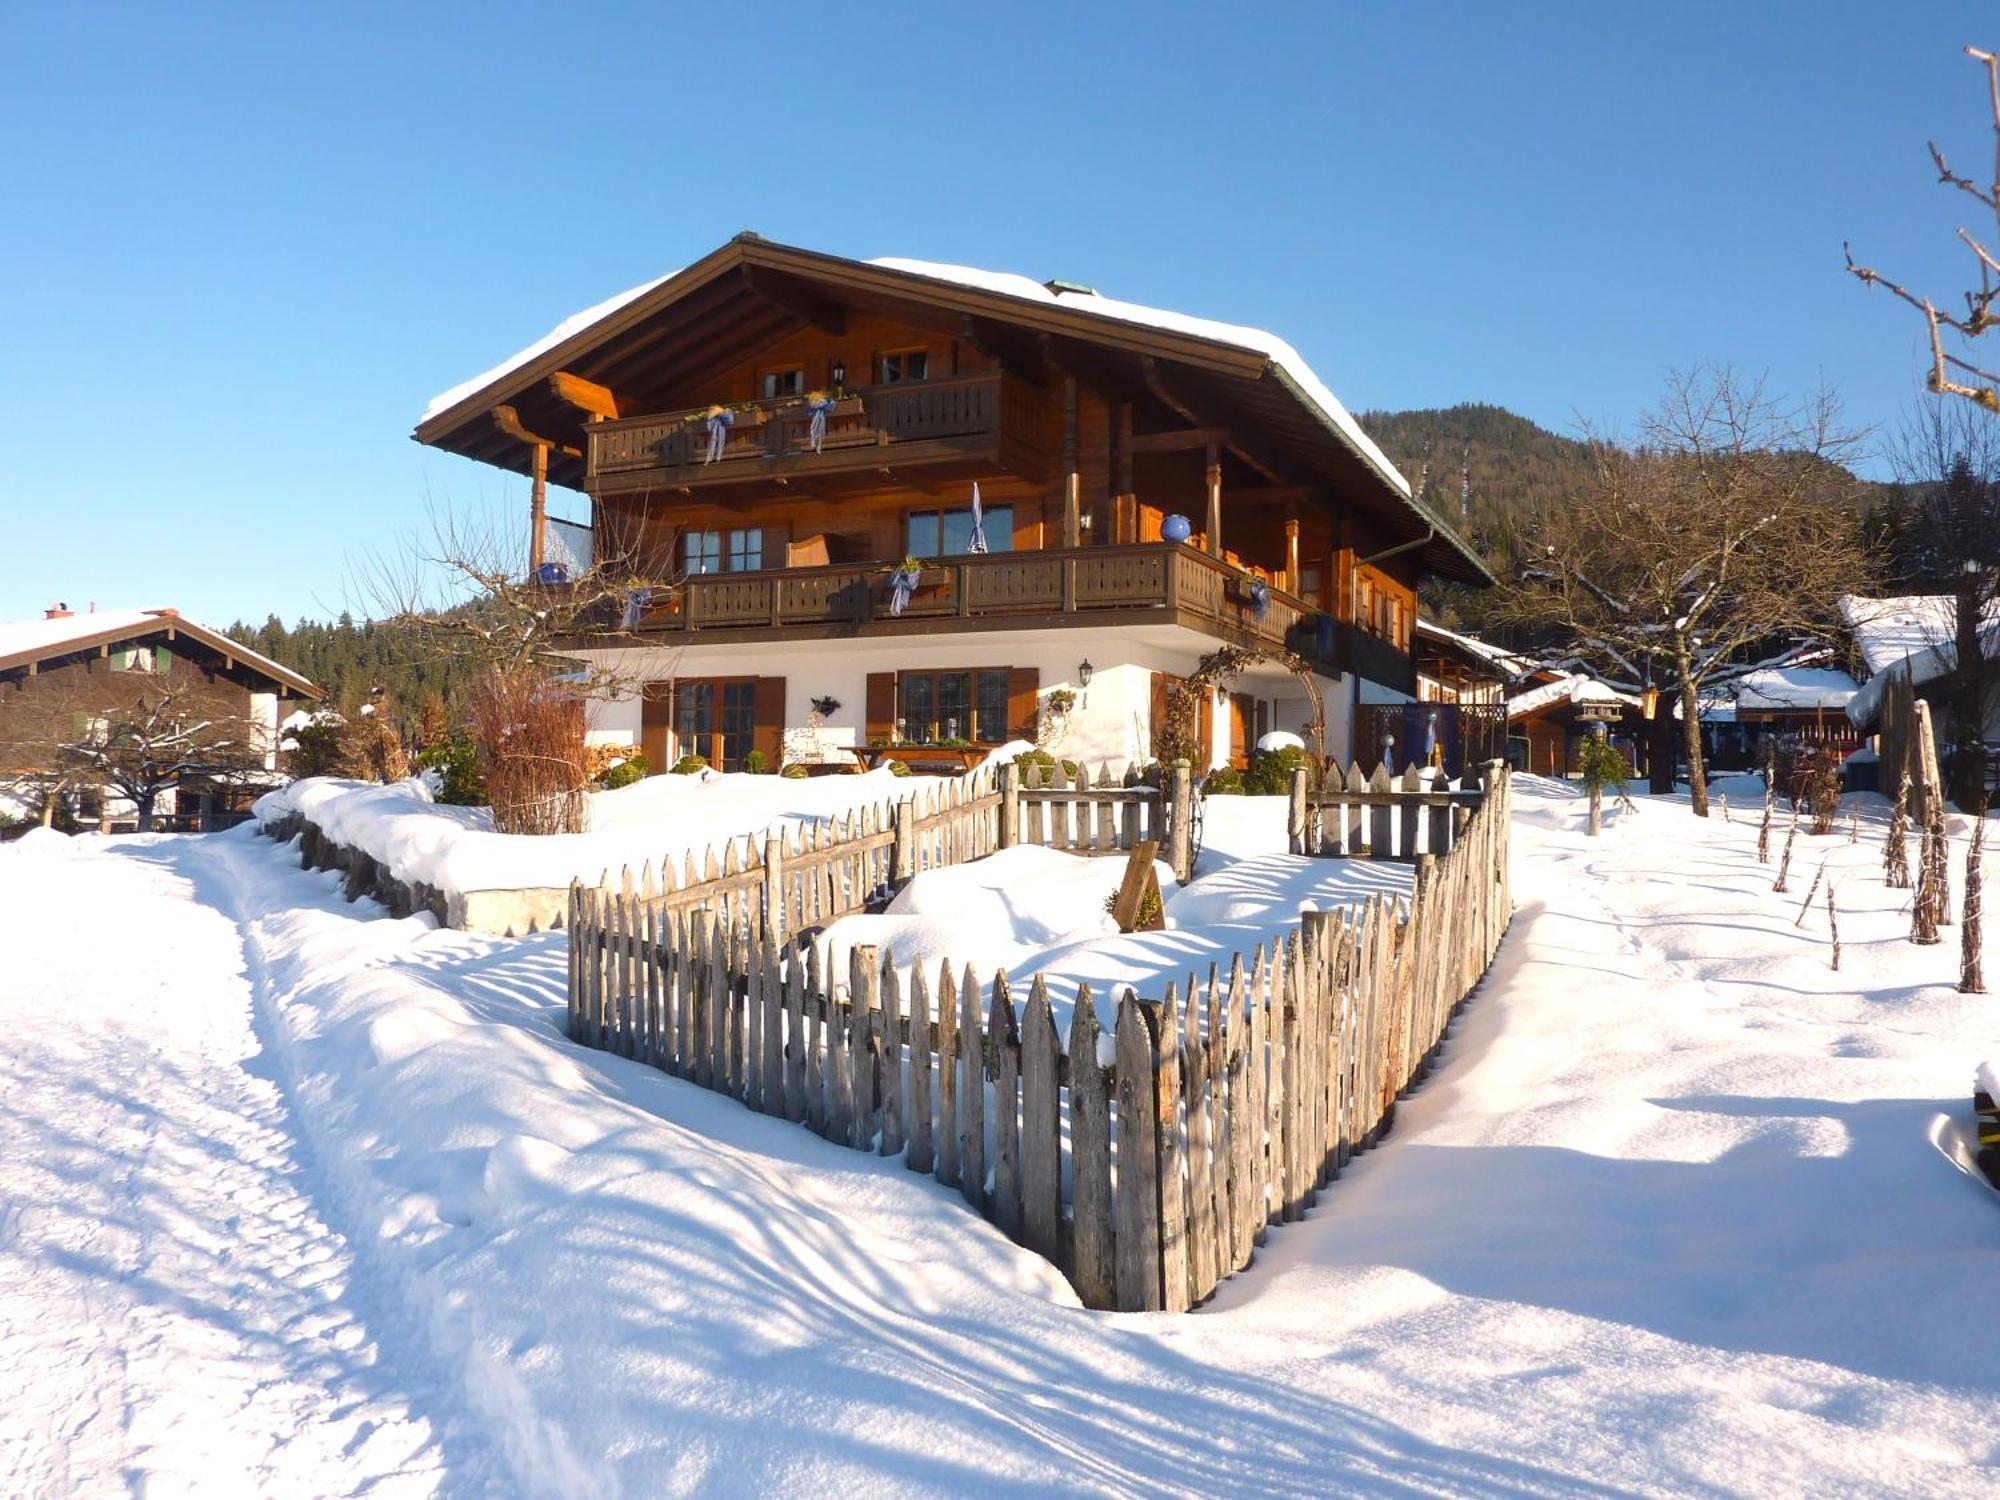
(656, 710)
(1024, 686)
(1162, 681)
(767, 719)
(881, 709)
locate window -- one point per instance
(902, 365)
(701, 552)
(154, 660)
(948, 533)
(716, 719)
(783, 383)
(968, 705)
(739, 550)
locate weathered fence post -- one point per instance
(1010, 804)
(1136, 1199)
(903, 853)
(1094, 1259)
(1295, 815)
(1180, 821)
(774, 889)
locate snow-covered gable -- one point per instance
(1512, 663)
(34, 640)
(1009, 284)
(1578, 687)
(567, 328)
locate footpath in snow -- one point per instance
(176, 1315)
(1667, 1220)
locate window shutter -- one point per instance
(881, 708)
(1023, 702)
(163, 660)
(767, 719)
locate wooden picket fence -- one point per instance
(1223, 1109)
(1381, 816)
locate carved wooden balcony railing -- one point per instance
(1180, 585)
(991, 417)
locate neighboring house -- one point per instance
(1546, 723)
(69, 682)
(1800, 704)
(1458, 716)
(1913, 635)
(1152, 486)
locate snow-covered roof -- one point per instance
(1291, 368)
(1280, 353)
(574, 324)
(1890, 629)
(1920, 667)
(23, 641)
(1578, 687)
(1771, 688)
(1508, 661)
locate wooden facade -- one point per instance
(1085, 432)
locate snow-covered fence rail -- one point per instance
(803, 878)
(1359, 816)
(1148, 1168)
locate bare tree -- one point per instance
(1716, 545)
(538, 650)
(1947, 459)
(1952, 373)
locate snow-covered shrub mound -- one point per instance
(41, 841)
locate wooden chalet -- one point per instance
(766, 435)
(67, 672)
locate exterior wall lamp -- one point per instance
(837, 374)
(1084, 672)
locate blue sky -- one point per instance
(242, 248)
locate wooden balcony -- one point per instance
(971, 423)
(1148, 583)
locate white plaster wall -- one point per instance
(612, 720)
(264, 715)
(1112, 719)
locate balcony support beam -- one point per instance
(1214, 501)
(1072, 480)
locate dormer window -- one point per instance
(900, 365)
(778, 383)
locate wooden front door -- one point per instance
(656, 708)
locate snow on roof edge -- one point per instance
(18, 637)
(1006, 284)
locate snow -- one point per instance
(1889, 629)
(1987, 1080)
(1667, 1220)
(1578, 687)
(1280, 739)
(657, 820)
(41, 636)
(1770, 688)
(568, 328)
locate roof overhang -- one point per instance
(174, 626)
(753, 291)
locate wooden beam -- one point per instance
(1214, 473)
(509, 421)
(799, 298)
(1255, 454)
(587, 396)
(1183, 437)
(538, 512)
(1292, 555)
(1015, 349)
(1072, 479)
